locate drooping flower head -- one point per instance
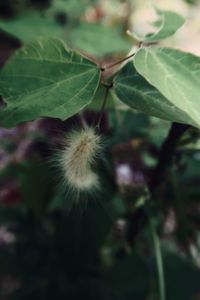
(77, 160)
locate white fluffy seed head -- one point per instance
(81, 148)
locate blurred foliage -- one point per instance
(86, 38)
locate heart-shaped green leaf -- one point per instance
(45, 78)
(176, 75)
(132, 89)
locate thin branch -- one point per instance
(108, 87)
(117, 63)
(166, 154)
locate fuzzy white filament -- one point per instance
(77, 160)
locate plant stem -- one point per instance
(164, 161)
(166, 154)
(108, 87)
(118, 62)
(159, 260)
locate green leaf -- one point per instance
(176, 75)
(98, 39)
(45, 78)
(29, 27)
(132, 89)
(167, 24)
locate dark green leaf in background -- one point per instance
(182, 278)
(98, 39)
(28, 27)
(129, 278)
